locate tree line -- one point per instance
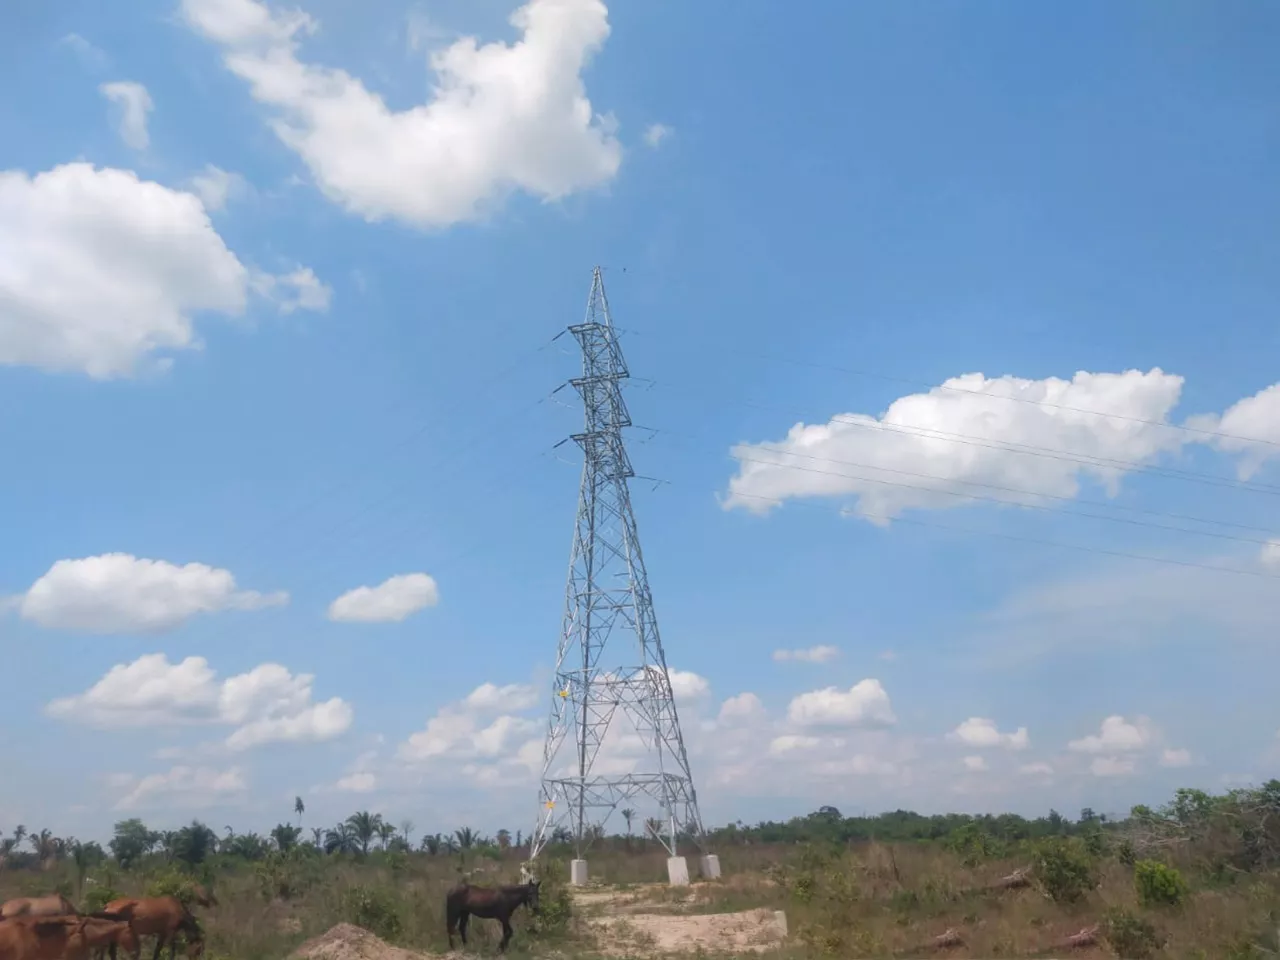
(364, 832)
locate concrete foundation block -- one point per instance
(678, 871)
(780, 918)
(577, 872)
(709, 865)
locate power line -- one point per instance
(1036, 540)
(1012, 503)
(1009, 446)
(775, 358)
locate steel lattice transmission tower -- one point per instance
(610, 656)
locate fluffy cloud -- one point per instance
(1248, 430)
(865, 704)
(357, 783)
(390, 602)
(121, 593)
(266, 705)
(133, 104)
(512, 696)
(502, 117)
(1112, 766)
(655, 133)
(1270, 554)
(468, 730)
(215, 186)
(975, 764)
(1038, 769)
(1117, 735)
(914, 456)
(981, 732)
(182, 786)
(103, 272)
(1175, 758)
(818, 654)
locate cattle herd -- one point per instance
(50, 928)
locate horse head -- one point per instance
(533, 886)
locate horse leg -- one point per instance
(462, 926)
(450, 924)
(506, 933)
(159, 946)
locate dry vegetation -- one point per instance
(1196, 880)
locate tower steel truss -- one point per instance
(610, 658)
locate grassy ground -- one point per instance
(861, 900)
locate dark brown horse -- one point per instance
(465, 901)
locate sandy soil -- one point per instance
(656, 933)
(348, 942)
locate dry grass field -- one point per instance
(1198, 880)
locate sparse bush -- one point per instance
(1125, 852)
(172, 883)
(99, 895)
(1130, 936)
(1064, 869)
(374, 908)
(1158, 884)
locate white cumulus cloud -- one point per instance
(121, 593)
(864, 704)
(389, 602)
(215, 186)
(1117, 735)
(655, 133)
(1170, 757)
(502, 116)
(268, 704)
(974, 763)
(103, 272)
(818, 654)
(1112, 766)
(182, 787)
(357, 783)
(133, 104)
(923, 449)
(1270, 555)
(981, 732)
(1249, 430)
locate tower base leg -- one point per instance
(577, 872)
(709, 866)
(678, 871)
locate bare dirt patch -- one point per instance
(659, 933)
(349, 942)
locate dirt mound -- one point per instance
(349, 942)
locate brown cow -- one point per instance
(53, 905)
(163, 918)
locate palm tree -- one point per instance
(285, 836)
(317, 837)
(299, 808)
(628, 815)
(431, 843)
(341, 839)
(406, 829)
(466, 838)
(385, 832)
(365, 826)
(44, 844)
(504, 839)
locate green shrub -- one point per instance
(1130, 936)
(1158, 884)
(1125, 853)
(375, 909)
(1064, 869)
(172, 883)
(99, 895)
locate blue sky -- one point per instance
(263, 310)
